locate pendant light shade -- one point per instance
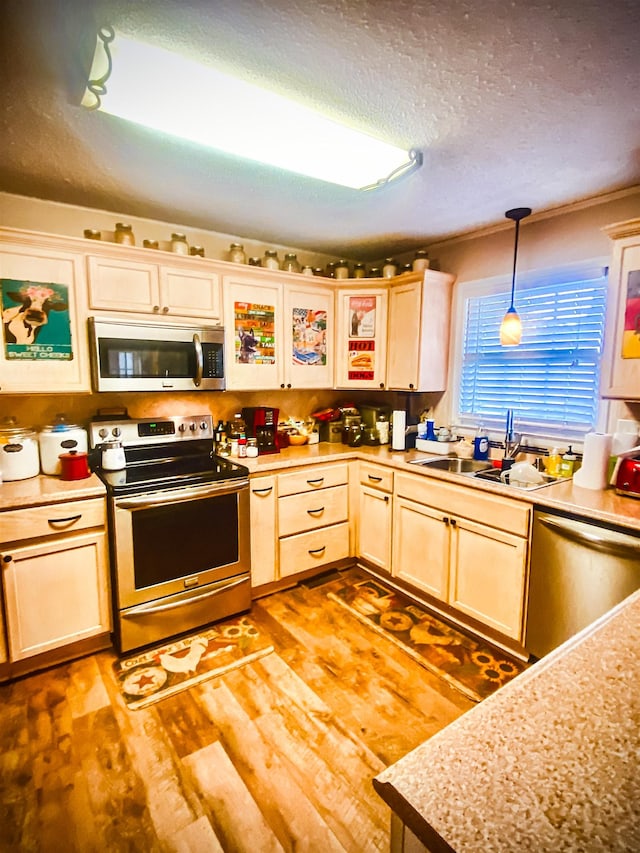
(511, 327)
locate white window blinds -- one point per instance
(550, 379)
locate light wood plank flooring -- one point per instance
(278, 755)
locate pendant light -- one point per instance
(511, 327)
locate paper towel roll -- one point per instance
(595, 461)
(398, 427)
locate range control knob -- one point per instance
(182, 427)
(116, 431)
(204, 425)
(103, 433)
(193, 427)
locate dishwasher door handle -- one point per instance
(604, 543)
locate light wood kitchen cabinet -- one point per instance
(375, 514)
(55, 576)
(313, 518)
(50, 351)
(278, 332)
(361, 336)
(263, 507)
(620, 375)
(123, 284)
(465, 548)
(418, 331)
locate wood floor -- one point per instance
(277, 755)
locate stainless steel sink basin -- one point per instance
(493, 475)
(453, 464)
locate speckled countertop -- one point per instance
(40, 490)
(547, 763)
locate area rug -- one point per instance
(471, 666)
(163, 671)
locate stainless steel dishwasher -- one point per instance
(579, 570)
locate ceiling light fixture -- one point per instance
(511, 326)
(170, 93)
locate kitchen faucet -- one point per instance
(512, 440)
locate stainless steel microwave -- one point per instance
(138, 356)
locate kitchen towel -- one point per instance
(595, 461)
(398, 427)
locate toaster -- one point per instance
(628, 477)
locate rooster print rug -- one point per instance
(160, 672)
(473, 667)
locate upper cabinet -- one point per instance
(418, 332)
(44, 342)
(620, 377)
(361, 337)
(278, 331)
(166, 290)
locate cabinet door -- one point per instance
(253, 333)
(56, 593)
(361, 337)
(621, 360)
(123, 285)
(264, 534)
(308, 335)
(418, 339)
(374, 529)
(190, 293)
(421, 547)
(488, 569)
(49, 352)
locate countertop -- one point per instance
(547, 763)
(605, 506)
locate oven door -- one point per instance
(181, 559)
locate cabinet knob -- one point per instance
(411, 386)
(165, 310)
(7, 558)
(289, 385)
(282, 384)
(382, 384)
(156, 308)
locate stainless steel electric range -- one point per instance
(179, 528)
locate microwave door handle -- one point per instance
(197, 379)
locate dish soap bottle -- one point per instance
(481, 444)
(567, 463)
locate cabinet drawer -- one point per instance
(309, 510)
(312, 478)
(376, 476)
(495, 511)
(32, 522)
(306, 550)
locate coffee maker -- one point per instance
(262, 424)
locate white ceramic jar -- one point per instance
(57, 438)
(19, 454)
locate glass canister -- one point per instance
(359, 271)
(375, 272)
(254, 262)
(92, 234)
(390, 268)
(237, 254)
(179, 244)
(307, 270)
(196, 251)
(291, 263)
(341, 269)
(420, 262)
(270, 260)
(124, 234)
(330, 271)
(150, 244)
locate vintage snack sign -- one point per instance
(309, 332)
(631, 333)
(361, 353)
(36, 324)
(255, 341)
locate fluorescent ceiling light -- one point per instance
(175, 95)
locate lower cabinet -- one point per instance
(56, 582)
(466, 549)
(375, 514)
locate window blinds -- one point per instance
(550, 379)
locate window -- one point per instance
(551, 379)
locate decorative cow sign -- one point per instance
(35, 320)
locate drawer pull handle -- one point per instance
(266, 491)
(68, 520)
(316, 511)
(313, 482)
(375, 479)
(318, 551)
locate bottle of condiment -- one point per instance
(270, 260)
(382, 427)
(124, 234)
(179, 244)
(242, 447)
(237, 254)
(252, 447)
(291, 263)
(341, 269)
(390, 268)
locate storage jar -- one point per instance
(421, 261)
(390, 268)
(237, 254)
(19, 454)
(179, 244)
(270, 260)
(290, 263)
(58, 437)
(341, 269)
(124, 234)
(359, 270)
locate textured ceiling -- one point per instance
(513, 103)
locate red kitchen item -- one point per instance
(628, 477)
(326, 415)
(74, 465)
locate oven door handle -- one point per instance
(179, 495)
(144, 610)
(197, 379)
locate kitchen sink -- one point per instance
(480, 470)
(453, 464)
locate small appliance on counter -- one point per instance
(627, 480)
(262, 424)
